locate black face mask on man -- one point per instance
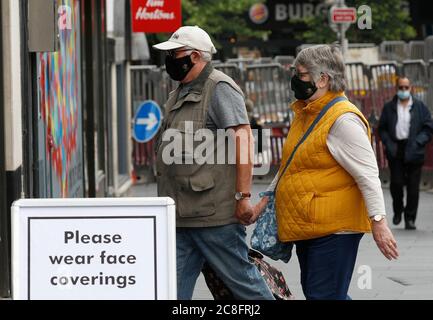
(179, 68)
(303, 89)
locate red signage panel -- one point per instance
(343, 15)
(154, 16)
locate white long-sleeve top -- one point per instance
(349, 145)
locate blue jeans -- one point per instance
(226, 251)
(327, 265)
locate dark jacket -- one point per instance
(420, 133)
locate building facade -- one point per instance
(58, 107)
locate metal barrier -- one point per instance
(142, 85)
(427, 177)
(428, 165)
(263, 60)
(233, 71)
(358, 87)
(393, 50)
(147, 83)
(267, 86)
(285, 61)
(241, 63)
(379, 150)
(430, 86)
(150, 83)
(278, 138)
(383, 77)
(416, 50)
(371, 87)
(277, 144)
(428, 48)
(359, 92)
(416, 71)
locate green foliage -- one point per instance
(391, 21)
(219, 18)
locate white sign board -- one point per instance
(94, 249)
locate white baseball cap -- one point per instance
(188, 36)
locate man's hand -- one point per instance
(385, 240)
(244, 211)
(258, 209)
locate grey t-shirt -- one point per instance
(227, 108)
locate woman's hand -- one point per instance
(384, 239)
(258, 209)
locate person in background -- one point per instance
(405, 127)
(257, 129)
(330, 195)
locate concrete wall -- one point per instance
(367, 55)
(12, 83)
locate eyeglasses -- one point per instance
(298, 74)
(403, 87)
(172, 53)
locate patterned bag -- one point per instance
(265, 234)
(273, 277)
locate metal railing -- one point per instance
(267, 87)
(413, 50)
(147, 83)
(416, 71)
(416, 50)
(383, 78)
(358, 86)
(393, 50)
(428, 49)
(234, 72)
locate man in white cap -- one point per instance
(212, 198)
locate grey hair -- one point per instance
(205, 55)
(325, 59)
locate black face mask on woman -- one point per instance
(303, 89)
(179, 68)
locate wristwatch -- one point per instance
(377, 218)
(242, 195)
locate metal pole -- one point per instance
(4, 238)
(344, 42)
(89, 106)
(31, 186)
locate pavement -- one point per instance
(374, 277)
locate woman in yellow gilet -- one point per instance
(330, 194)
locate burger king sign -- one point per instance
(259, 13)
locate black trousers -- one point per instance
(404, 174)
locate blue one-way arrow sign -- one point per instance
(147, 122)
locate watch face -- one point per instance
(241, 196)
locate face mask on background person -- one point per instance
(303, 89)
(179, 68)
(403, 94)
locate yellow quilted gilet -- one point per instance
(316, 196)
